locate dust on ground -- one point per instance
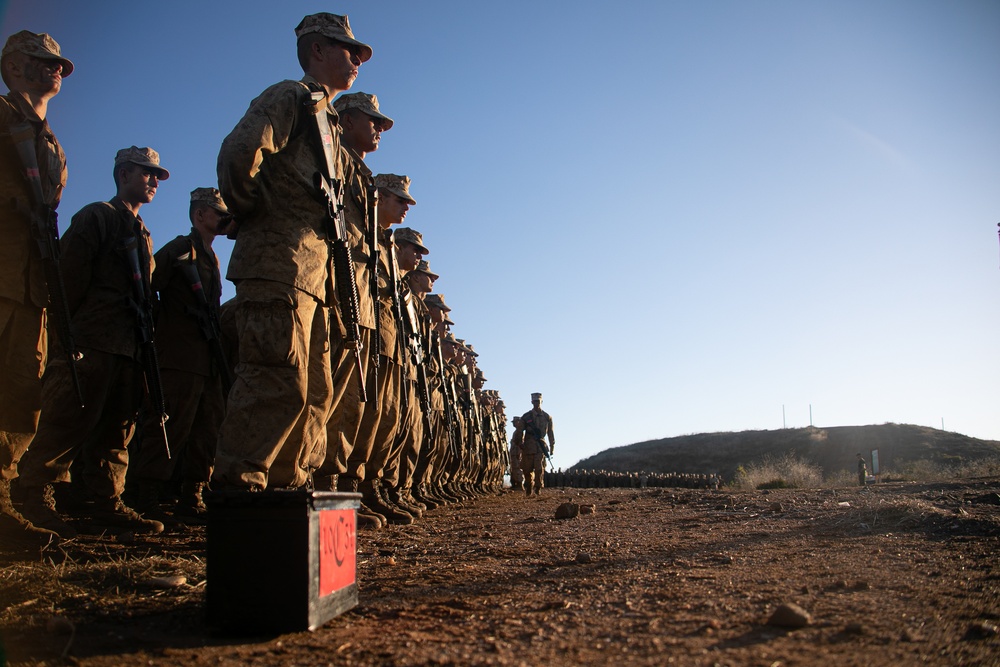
(896, 574)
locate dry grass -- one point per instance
(787, 472)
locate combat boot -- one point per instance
(113, 512)
(422, 496)
(407, 495)
(191, 507)
(144, 496)
(371, 493)
(367, 518)
(399, 499)
(39, 508)
(18, 531)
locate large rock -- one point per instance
(567, 511)
(790, 615)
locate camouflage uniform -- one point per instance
(99, 291)
(192, 381)
(23, 294)
(535, 424)
(355, 422)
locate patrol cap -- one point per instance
(210, 196)
(397, 185)
(450, 339)
(436, 300)
(335, 27)
(423, 266)
(38, 45)
(536, 397)
(468, 346)
(362, 102)
(144, 157)
(411, 236)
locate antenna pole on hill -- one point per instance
(784, 424)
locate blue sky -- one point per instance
(668, 217)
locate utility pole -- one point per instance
(810, 414)
(784, 424)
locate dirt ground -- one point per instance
(898, 574)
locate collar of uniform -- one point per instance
(359, 162)
(119, 205)
(23, 107)
(199, 244)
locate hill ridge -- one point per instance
(832, 448)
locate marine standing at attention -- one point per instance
(33, 68)
(107, 261)
(187, 321)
(274, 433)
(530, 437)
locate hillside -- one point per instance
(833, 449)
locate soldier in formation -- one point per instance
(33, 69)
(334, 367)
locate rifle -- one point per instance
(540, 439)
(417, 357)
(332, 190)
(374, 252)
(143, 307)
(45, 230)
(207, 317)
(449, 417)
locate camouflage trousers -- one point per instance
(347, 409)
(97, 434)
(516, 476)
(274, 432)
(23, 344)
(378, 427)
(533, 468)
(196, 408)
(401, 463)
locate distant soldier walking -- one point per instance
(862, 470)
(530, 437)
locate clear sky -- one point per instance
(668, 217)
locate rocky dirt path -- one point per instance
(902, 574)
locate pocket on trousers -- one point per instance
(268, 333)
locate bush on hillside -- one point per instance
(787, 472)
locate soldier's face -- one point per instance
(360, 132)
(40, 76)
(421, 283)
(407, 255)
(391, 209)
(336, 64)
(137, 185)
(436, 314)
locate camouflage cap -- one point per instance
(423, 266)
(408, 235)
(333, 26)
(536, 397)
(144, 157)
(472, 351)
(210, 196)
(450, 338)
(436, 300)
(397, 185)
(38, 45)
(362, 102)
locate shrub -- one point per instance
(787, 472)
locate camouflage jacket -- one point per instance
(267, 167)
(180, 342)
(22, 278)
(99, 286)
